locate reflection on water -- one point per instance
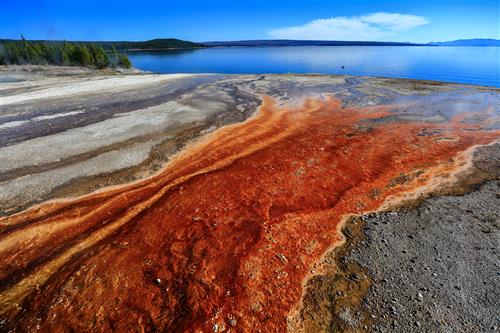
(474, 65)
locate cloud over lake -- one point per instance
(375, 26)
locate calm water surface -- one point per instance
(474, 65)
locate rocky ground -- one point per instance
(436, 268)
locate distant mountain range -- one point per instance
(285, 42)
(469, 42)
(289, 42)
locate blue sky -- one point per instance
(415, 21)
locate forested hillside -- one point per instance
(86, 54)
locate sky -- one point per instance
(218, 20)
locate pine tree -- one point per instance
(69, 54)
(3, 55)
(87, 59)
(123, 61)
(100, 57)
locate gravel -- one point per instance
(435, 268)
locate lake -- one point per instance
(473, 65)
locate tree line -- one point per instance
(63, 54)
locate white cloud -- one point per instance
(395, 21)
(374, 26)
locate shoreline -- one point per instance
(55, 70)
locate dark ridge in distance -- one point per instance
(289, 42)
(469, 42)
(154, 44)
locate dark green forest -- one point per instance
(154, 44)
(20, 52)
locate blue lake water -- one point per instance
(472, 65)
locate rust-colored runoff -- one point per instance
(224, 236)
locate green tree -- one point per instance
(65, 59)
(123, 61)
(3, 55)
(14, 54)
(80, 55)
(100, 57)
(56, 53)
(87, 59)
(37, 54)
